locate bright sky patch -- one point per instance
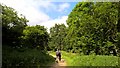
(40, 12)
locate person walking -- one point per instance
(58, 54)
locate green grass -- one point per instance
(24, 57)
(95, 61)
(88, 60)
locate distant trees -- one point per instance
(57, 34)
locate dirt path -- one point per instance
(59, 64)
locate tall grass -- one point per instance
(26, 58)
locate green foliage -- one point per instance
(35, 37)
(93, 28)
(22, 45)
(57, 34)
(13, 25)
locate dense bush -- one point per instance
(35, 37)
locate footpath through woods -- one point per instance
(59, 64)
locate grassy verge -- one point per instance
(24, 58)
(88, 60)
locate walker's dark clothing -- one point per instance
(58, 55)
